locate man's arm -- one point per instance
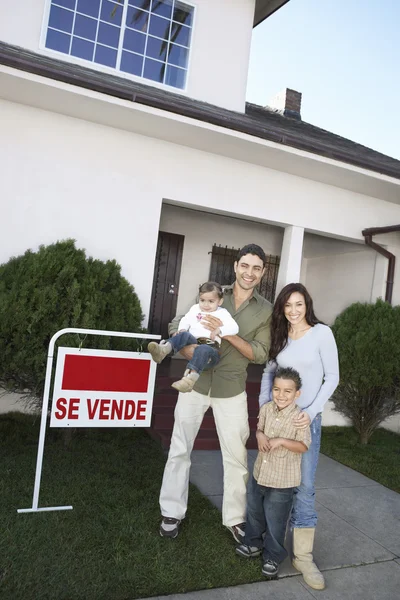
(240, 344)
(257, 350)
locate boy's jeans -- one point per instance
(204, 356)
(268, 510)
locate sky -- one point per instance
(344, 57)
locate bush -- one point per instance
(45, 291)
(368, 339)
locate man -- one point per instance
(222, 388)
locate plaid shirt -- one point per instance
(280, 468)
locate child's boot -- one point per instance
(187, 382)
(159, 351)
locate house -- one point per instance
(125, 126)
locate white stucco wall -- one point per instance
(201, 231)
(336, 281)
(220, 48)
(65, 177)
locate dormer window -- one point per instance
(142, 38)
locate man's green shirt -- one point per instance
(228, 377)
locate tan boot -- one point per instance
(186, 384)
(303, 542)
(159, 351)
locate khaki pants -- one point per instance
(231, 419)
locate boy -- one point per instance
(276, 473)
(191, 331)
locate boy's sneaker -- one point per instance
(159, 351)
(169, 527)
(248, 551)
(238, 532)
(270, 568)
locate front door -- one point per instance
(166, 281)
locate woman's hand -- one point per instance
(263, 441)
(302, 420)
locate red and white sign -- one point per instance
(102, 388)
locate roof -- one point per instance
(265, 8)
(257, 121)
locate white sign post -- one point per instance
(95, 388)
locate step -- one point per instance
(167, 399)
(165, 421)
(206, 440)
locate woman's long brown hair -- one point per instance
(280, 324)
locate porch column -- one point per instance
(291, 256)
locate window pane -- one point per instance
(162, 7)
(111, 12)
(108, 34)
(135, 41)
(132, 63)
(58, 41)
(175, 77)
(154, 70)
(178, 55)
(89, 7)
(82, 49)
(183, 13)
(156, 48)
(159, 26)
(67, 3)
(85, 27)
(61, 19)
(180, 34)
(105, 56)
(137, 19)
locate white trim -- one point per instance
(116, 70)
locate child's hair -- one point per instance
(211, 286)
(289, 373)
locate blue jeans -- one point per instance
(303, 513)
(268, 510)
(204, 356)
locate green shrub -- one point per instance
(368, 339)
(58, 286)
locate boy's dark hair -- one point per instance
(211, 286)
(252, 249)
(289, 373)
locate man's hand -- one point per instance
(211, 323)
(187, 351)
(301, 421)
(214, 333)
(275, 443)
(263, 441)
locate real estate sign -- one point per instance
(102, 388)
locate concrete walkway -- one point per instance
(357, 542)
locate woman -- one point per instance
(299, 340)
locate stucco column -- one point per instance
(292, 251)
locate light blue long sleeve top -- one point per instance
(315, 357)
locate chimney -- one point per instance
(287, 103)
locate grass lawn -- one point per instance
(108, 546)
(379, 459)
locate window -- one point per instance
(146, 38)
(221, 270)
